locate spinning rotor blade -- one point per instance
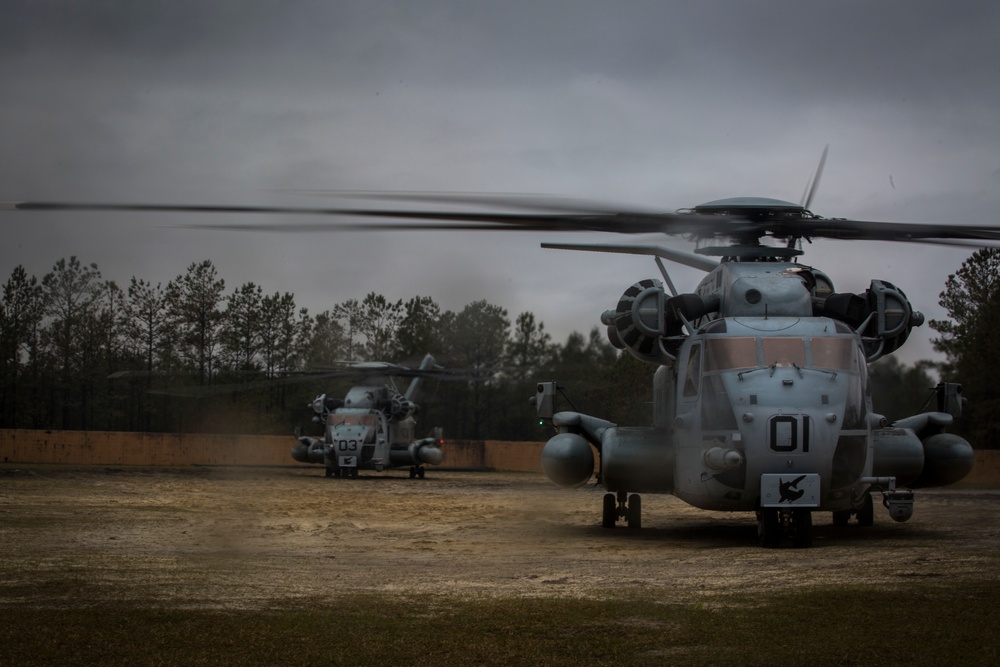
(508, 200)
(866, 230)
(813, 183)
(201, 391)
(566, 217)
(744, 220)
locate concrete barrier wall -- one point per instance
(986, 471)
(168, 449)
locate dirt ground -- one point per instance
(245, 538)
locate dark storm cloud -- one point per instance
(834, 49)
(661, 104)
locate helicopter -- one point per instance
(760, 395)
(761, 398)
(373, 426)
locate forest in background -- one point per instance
(81, 352)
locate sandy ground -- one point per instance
(272, 537)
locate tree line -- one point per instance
(78, 351)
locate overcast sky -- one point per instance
(656, 104)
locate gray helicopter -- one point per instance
(761, 398)
(373, 426)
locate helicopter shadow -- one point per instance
(742, 533)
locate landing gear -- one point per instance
(610, 514)
(801, 528)
(769, 529)
(416, 471)
(774, 524)
(633, 513)
(622, 505)
(865, 514)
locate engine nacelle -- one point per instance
(884, 311)
(637, 322)
(400, 408)
(898, 453)
(426, 451)
(919, 454)
(948, 458)
(637, 459)
(648, 324)
(568, 460)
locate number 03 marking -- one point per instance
(347, 445)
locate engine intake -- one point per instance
(648, 324)
(883, 314)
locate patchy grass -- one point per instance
(924, 622)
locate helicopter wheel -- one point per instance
(413, 472)
(801, 528)
(866, 513)
(768, 527)
(329, 472)
(420, 473)
(633, 515)
(610, 514)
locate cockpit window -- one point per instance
(741, 352)
(726, 353)
(837, 353)
(355, 420)
(781, 352)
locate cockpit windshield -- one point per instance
(723, 354)
(835, 353)
(782, 352)
(354, 420)
(743, 352)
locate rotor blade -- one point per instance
(199, 391)
(628, 223)
(955, 243)
(506, 200)
(684, 223)
(814, 182)
(685, 258)
(868, 230)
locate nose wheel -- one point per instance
(622, 506)
(774, 525)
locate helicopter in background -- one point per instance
(373, 426)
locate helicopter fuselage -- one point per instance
(761, 401)
(758, 397)
(371, 428)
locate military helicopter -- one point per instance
(760, 397)
(373, 426)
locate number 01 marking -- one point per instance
(789, 433)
